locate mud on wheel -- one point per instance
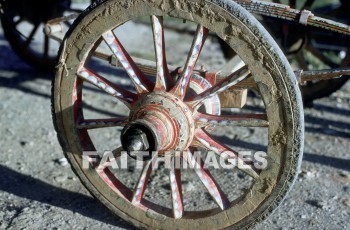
(177, 109)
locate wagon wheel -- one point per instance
(318, 89)
(170, 113)
(23, 23)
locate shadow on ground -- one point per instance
(30, 188)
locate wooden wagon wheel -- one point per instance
(325, 57)
(23, 23)
(173, 115)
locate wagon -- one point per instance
(176, 113)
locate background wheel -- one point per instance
(310, 49)
(34, 47)
(317, 49)
(161, 199)
(312, 58)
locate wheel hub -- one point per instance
(159, 122)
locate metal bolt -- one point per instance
(135, 145)
(137, 142)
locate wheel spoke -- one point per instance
(163, 76)
(221, 86)
(292, 3)
(142, 183)
(208, 180)
(301, 60)
(181, 86)
(176, 190)
(101, 166)
(223, 151)
(123, 95)
(308, 4)
(31, 35)
(318, 54)
(77, 99)
(245, 120)
(18, 21)
(102, 123)
(46, 46)
(115, 184)
(142, 84)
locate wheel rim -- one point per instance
(239, 209)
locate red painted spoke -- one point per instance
(221, 86)
(101, 166)
(123, 95)
(176, 190)
(142, 183)
(181, 86)
(223, 151)
(31, 35)
(77, 98)
(245, 120)
(208, 180)
(102, 123)
(142, 84)
(163, 76)
(112, 181)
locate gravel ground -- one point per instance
(39, 190)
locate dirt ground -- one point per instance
(38, 189)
